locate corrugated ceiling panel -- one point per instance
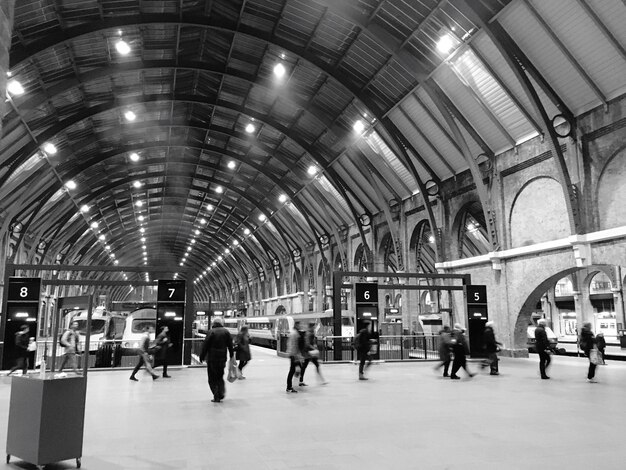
(470, 108)
(613, 15)
(393, 163)
(427, 126)
(341, 206)
(360, 188)
(357, 173)
(493, 95)
(585, 41)
(546, 56)
(488, 50)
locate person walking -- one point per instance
(21, 350)
(295, 344)
(216, 344)
(542, 344)
(161, 345)
(311, 354)
(362, 345)
(242, 347)
(445, 350)
(491, 348)
(144, 355)
(587, 342)
(70, 341)
(460, 348)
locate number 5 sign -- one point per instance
(476, 294)
(366, 292)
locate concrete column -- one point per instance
(6, 27)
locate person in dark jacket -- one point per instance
(161, 344)
(542, 344)
(445, 350)
(311, 354)
(214, 349)
(460, 348)
(242, 343)
(362, 345)
(21, 350)
(587, 342)
(491, 348)
(601, 345)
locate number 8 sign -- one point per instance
(24, 289)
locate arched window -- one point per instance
(390, 260)
(360, 259)
(473, 238)
(423, 244)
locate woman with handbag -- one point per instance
(242, 350)
(587, 344)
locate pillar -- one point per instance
(6, 27)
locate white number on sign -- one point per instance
(476, 296)
(171, 292)
(366, 295)
(23, 291)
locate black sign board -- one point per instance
(366, 292)
(170, 291)
(476, 294)
(24, 289)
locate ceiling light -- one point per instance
(182, 264)
(134, 157)
(94, 224)
(219, 258)
(15, 88)
(142, 230)
(282, 198)
(102, 237)
(70, 184)
(139, 203)
(246, 231)
(108, 247)
(130, 116)
(122, 47)
(213, 264)
(188, 248)
(250, 128)
(197, 232)
(235, 242)
(113, 255)
(445, 44)
(84, 208)
(231, 165)
(143, 239)
(312, 170)
(279, 70)
(137, 184)
(193, 240)
(262, 217)
(143, 247)
(209, 207)
(49, 148)
(358, 126)
(226, 251)
(116, 262)
(219, 189)
(203, 221)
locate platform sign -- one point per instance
(477, 317)
(476, 294)
(169, 290)
(24, 289)
(366, 292)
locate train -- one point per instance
(265, 330)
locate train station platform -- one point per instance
(405, 417)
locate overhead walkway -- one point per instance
(405, 417)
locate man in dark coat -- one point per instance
(491, 348)
(217, 342)
(362, 346)
(460, 348)
(543, 347)
(587, 341)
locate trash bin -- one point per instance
(622, 338)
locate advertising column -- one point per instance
(171, 314)
(21, 317)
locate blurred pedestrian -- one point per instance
(492, 346)
(70, 341)
(143, 355)
(217, 342)
(542, 344)
(459, 348)
(587, 343)
(362, 344)
(161, 345)
(601, 345)
(242, 347)
(295, 345)
(21, 350)
(311, 353)
(445, 350)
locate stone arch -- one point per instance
(387, 253)
(360, 258)
(610, 192)
(421, 248)
(531, 220)
(470, 230)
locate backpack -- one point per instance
(301, 341)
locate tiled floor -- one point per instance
(405, 417)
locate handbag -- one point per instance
(232, 371)
(595, 357)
